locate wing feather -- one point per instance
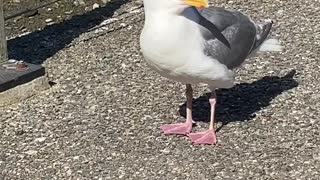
(238, 29)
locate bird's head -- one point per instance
(154, 5)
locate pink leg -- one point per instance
(209, 136)
(181, 128)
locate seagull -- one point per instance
(189, 42)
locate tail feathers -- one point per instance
(270, 45)
(263, 43)
(263, 31)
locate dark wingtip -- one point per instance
(212, 28)
(215, 31)
(227, 43)
(266, 30)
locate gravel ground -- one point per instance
(39, 19)
(101, 118)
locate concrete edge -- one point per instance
(24, 91)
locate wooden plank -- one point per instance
(3, 41)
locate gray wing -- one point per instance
(237, 28)
(193, 14)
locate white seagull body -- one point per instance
(191, 45)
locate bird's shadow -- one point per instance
(241, 102)
(37, 46)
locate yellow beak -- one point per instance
(197, 3)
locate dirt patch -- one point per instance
(52, 28)
(54, 13)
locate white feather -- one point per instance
(270, 45)
(173, 47)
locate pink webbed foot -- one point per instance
(207, 137)
(178, 129)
